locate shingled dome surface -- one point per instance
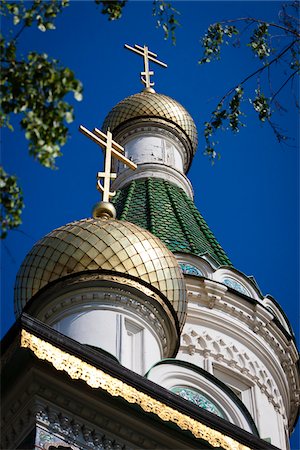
(152, 105)
(95, 244)
(164, 209)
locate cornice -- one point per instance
(112, 298)
(64, 418)
(154, 170)
(96, 378)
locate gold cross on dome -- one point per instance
(147, 56)
(111, 149)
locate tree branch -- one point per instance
(19, 32)
(282, 86)
(270, 24)
(258, 70)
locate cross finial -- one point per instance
(147, 56)
(111, 149)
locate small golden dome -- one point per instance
(95, 245)
(148, 104)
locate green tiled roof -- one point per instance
(167, 212)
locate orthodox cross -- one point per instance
(147, 56)
(111, 148)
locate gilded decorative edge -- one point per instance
(96, 378)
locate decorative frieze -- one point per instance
(227, 353)
(205, 293)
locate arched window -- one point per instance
(199, 399)
(230, 282)
(189, 269)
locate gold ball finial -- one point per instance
(104, 210)
(149, 89)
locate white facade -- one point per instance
(231, 334)
(157, 152)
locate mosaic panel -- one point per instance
(189, 269)
(230, 282)
(198, 399)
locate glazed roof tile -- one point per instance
(164, 209)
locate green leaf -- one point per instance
(42, 27)
(69, 117)
(11, 200)
(78, 96)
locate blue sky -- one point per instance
(250, 198)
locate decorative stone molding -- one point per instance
(227, 354)
(96, 378)
(65, 431)
(36, 408)
(154, 170)
(238, 281)
(229, 308)
(199, 262)
(175, 375)
(98, 294)
(97, 298)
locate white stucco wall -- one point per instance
(125, 336)
(234, 340)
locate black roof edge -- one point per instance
(282, 312)
(103, 362)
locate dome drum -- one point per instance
(156, 126)
(102, 309)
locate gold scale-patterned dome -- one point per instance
(95, 245)
(149, 105)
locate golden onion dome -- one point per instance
(99, 245)
(147, 104)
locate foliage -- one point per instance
(34, 87)
(214, 38)
(11, 200)
(112, 8)
(166, 18)
(228, 112)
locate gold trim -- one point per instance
(96, 378)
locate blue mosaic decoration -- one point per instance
(236, 285)
(198, 399)
(188, 269)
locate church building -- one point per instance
(134, 330)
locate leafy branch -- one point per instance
(228, 111)
(166, 18)
(112, 8)
(34, 88)
(11, 200)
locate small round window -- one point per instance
(199, 399)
